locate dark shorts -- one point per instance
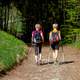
(55, 46)
(38, 48)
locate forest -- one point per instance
(18, 17)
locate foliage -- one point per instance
(15, 20)
(70, 28)
(10, 47)
(22, 15)
(11, 19)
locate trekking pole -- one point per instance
(48, 58)
(62, 51)
(29, 50)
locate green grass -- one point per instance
(11, 49)
(76, 44)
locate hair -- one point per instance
(55, 25)
(38, 26)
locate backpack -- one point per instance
(37, 37)
(54, 37)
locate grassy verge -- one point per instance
(11, 51)
(76, 44)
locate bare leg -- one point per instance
(55, 54)
(36, 53)
(36, 58)
(40, 56)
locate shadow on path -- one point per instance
(60, 63)
(66, 62)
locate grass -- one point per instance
(11, 50)
(76, 44)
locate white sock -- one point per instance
(40, 57)
(36, 58)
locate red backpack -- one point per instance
(54, 37)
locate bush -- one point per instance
(11, 50)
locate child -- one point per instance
(54, 38)
(37, 39)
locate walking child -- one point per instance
(54, 38)
(37, 40)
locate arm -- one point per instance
(32, 36)
(59, 35)
(42, 36)
(50, 39)
(50, 36)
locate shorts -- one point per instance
(55, 46)
(38, 48)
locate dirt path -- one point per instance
(67, 70)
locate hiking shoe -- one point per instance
(56, 62)
(36, 62)
(40, 62)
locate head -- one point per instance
(55, 26)
(37, 27)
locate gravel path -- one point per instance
(67, 69)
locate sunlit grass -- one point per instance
(10, 47)
(76, 44)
